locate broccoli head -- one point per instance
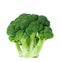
(29, 32)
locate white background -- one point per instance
(10, 9)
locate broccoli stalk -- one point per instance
(29, 32)
(18, 49)
(37, 49)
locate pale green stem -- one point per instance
(25, 47)
(19, 49)
(37, 49)
(32, 38)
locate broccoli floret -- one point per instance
(29, 32)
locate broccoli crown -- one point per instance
(28, 24)
(28, 27)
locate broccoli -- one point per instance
(29, 32)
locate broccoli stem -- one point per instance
(19, 49)
(24, 44)
(25, 48)
(37, 49)
(32, 38)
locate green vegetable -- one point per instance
(29, 32)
